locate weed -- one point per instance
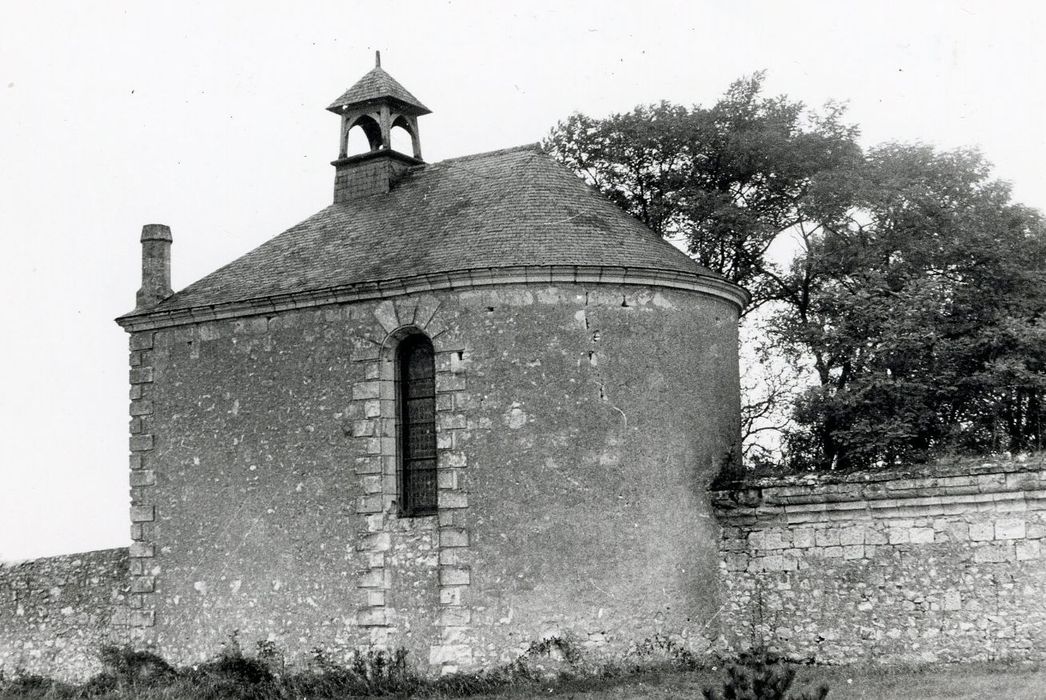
(270, 654)
(555, 647)
(667, 648)
(759, 674)
(130, 668)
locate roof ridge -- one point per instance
(535, 146)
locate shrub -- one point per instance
(125, 667)
(759, 674)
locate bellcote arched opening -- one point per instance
(362, 135)
(404, 136)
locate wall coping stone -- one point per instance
(924, 490)
(93, 554)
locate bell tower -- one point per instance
(377, 104)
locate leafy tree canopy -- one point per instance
(903, 280)
(728, 179)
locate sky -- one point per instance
(209, 117)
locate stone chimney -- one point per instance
(156, 265)
(374, 107)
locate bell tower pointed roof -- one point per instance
(375, 87)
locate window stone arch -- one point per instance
(374, 417)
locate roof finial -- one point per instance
(377, 59)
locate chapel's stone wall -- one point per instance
(946, 564)
(578, 429)
(56, 613)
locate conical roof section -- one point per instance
(375, 86)
(512, 209)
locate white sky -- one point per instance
(210, 117)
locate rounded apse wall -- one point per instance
(578, 426)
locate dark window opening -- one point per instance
(416, 429)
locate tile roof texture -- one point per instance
(377, 85)
(515, 207)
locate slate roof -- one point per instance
(376, 85)
(515, 207)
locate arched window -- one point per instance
(416, 429)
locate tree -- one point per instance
(728, 180)
(923, 315)
(914, 294)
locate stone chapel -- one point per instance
(470, 405)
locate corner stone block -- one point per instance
(454, 556)
(139, 550)
(453, 499)
(365, 390)
(958, 531)
(453, 576)
(453, 595)
(374, 578)
(371, 617)
(372, 483)
(454, 617)
(141, 618)
(453, 537)
(779, 562)
(874, 536)
(140, 375)
(1009, 530)
(773, 539)
(448, 479)
(362, 428)
(921, 535)
(368, 464)
(143, 584)
(993, 553)
(851, 535)
(369, 504)
(143, 477)
(367, 352)
(803, 538)
(376, 542)
(982, 532)
(460, 654)
(448, 381)
(141, 443)
(827, 538)
(853, 551)
(453, 458)
(142, 341)
(143, 514)
(1031, 549)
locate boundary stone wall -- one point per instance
(941, 564)
(57, 612)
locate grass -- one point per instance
(936, 682)
(549, 669)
